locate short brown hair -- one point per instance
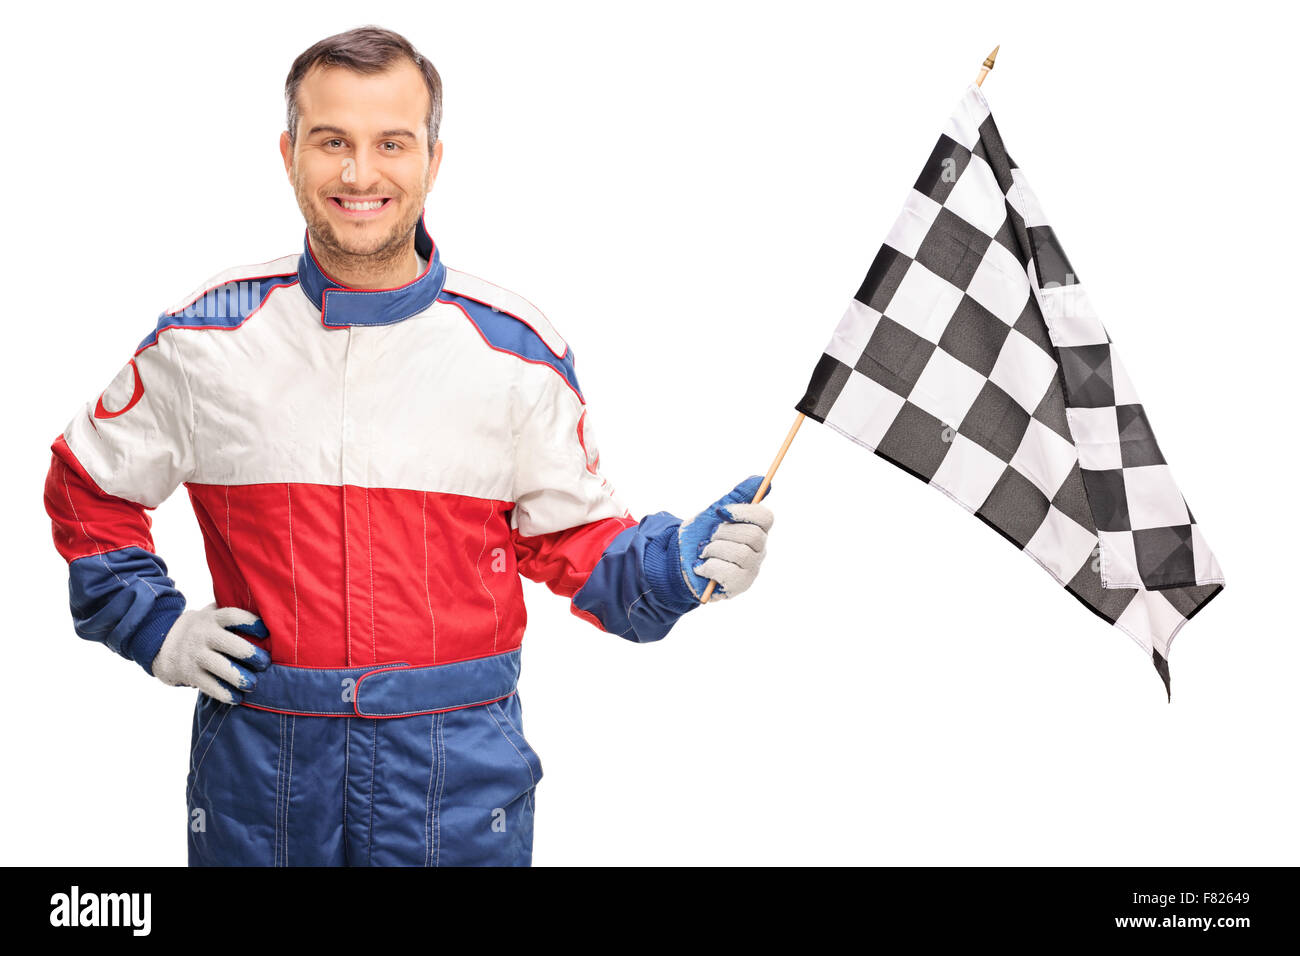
(366, 50)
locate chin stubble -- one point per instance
(326, 239)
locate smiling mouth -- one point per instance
(359, 205)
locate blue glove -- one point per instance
(726, 542)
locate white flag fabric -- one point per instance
(971, 358)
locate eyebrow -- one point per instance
(386, 134)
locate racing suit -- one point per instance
(372, 471)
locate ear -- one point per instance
(434, 162)
(286, 153)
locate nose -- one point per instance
(365, 174)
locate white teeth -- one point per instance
(361, 206)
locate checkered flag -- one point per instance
(971, 358)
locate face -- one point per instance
(361, 167)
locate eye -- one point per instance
(396, 146)
(333, 143)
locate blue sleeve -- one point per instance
(125, 600)
(636, 590)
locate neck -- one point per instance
(363, 272)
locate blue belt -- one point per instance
(385, 690)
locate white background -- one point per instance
(692, 193)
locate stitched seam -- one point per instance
(252, 701)
(510, 723)
(527, 765)
(293, 575)
(299, 711)
(628, 613)
(433, 627)
(288, 787)
(134, 542)
(346, 292)
(343, 490)
(96, 541)
(442, 781)
(189, 398)
(379, 715)
(230, 546)
(370, 553)
(205, 753)
(177, 310)
(281, 822)
(496, 619)
(362, 668)
(195, 749)
(279, 777)
(558, 371)
(428, 794)
(347, 577)
(448, 276)
(370, 835)
(347, 760)
(519, 434)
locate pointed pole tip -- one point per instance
(987, 65)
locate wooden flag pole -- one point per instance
(988, 65)
(799, 416)
(767, 480)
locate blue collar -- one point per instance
(341, 306)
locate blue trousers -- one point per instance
(455, 788)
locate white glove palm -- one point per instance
(736, 551)
(726, 542)
(200, 652)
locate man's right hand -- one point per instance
(203, 649)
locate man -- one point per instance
(376, 447)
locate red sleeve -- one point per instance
(563, 560)
(86, 519)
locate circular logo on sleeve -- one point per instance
(588, 442)
(122, 393)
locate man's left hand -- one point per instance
(726, 542)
